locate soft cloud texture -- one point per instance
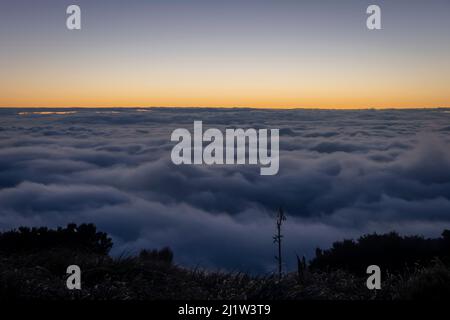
(342, 174)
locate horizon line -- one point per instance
(225, 107)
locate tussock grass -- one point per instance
(42, 276)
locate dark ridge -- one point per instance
(33, 265)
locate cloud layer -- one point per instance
(342, 173)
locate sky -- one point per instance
(342, 174)
(234, 53)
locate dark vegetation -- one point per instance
(33, 265)
(390, 252)
(78, 238)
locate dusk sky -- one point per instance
(276, 54)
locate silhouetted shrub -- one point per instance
(164, 255)
(390, 251)
(84, 237)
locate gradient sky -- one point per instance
(255, 53)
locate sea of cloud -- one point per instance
(342, 174)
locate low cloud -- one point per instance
(342, 174)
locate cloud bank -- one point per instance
(342, 174)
